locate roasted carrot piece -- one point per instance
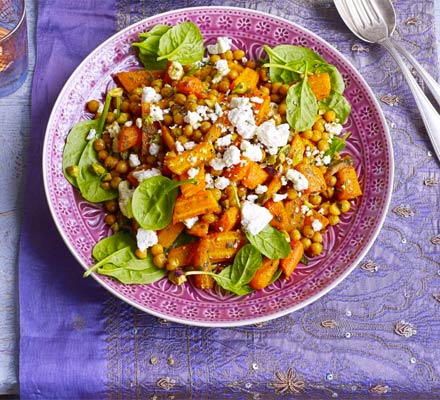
(167, 137)
(200, 203)
(261, 109)
(264, 274)
(238, 171)
(192, 85)
(182, 162)
(129, 137)
(190, 189)
(314, 176)
(273, 187)
(228, 220)
(289, 263)
(295, 217)
(320, 85)
(183, 254)
(202, 281)
(296, 152)
(223, 246)
(131, 80)
(214, 132)
(255, 176)
(199, 229)
(245, 82)
(347, 185)
(280, 216)
(169, 234)
(202, 262)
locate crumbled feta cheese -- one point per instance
(279, 197)
(254, 217)
(284, 181)
(156, 113)
(149, 95)
(218, 109)
(316, 225)
(260, 189)
(238, 102)
(222, 46)
(154, 149)
(252, 198)
(299, 181)
(175, 71)
(100, 108)
(179, 147)
(128, 124)
(242, 118)
(190, 222)
(304, 209)
(146, 238)
(139, 122)
(92, 134)
(222, 183)
(224, 141)
(257, 100)
(251, 151)
(114, 129)
(333, 128)
(145, 174)
(192, 172)
(124, 198)
(189, 145)
(209, 181)
(273, 136)
(133, 160)
(193, 118)
(231, 156)
(217, 163)
(222, 70)
(326, 160)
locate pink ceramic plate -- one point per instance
(81, 223)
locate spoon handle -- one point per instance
(430, 116)
(432, 84)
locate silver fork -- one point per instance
(365, 21)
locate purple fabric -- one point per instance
(377, 333)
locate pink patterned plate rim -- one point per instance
(81, 224)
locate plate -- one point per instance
(81, 223)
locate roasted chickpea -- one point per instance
(141, 254)
(99, 144)
(344, 206)
(160, 260)
(330, 116)
(111, 206)
(156, 249)
(110, 219)
(122, 166)
(93, 106)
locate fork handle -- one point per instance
(432, 84)
(430, 116)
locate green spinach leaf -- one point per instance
(88, 182)
(153, 201)
(134, 276)
(110, 244)
(246, 262)
(337, 144)
(302, 106)
(149, 47)
(270, 242)
(117, 259)
(182, 43)
(339, 104)
(276, 276)
(75, 144)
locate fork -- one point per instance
(365, 21)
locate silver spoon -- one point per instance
(374, 21)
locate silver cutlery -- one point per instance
(374, 21)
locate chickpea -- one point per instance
(99, 144)
(173, 263)
(110, 118)
(315, 249)
(151, 160)
(308, 231)
(333, 220)
(344, 205)
(214, 58)
(180, 98)
(306, 243)
(317, 237)
(251, 64)
(233, 74)
(168, 120)
(284, 89)
(323, 145)
(110, 219)
(331, 180)
(141, 254)
(157, 249)
(188, 130)
(228, 55)
(319, 125)
(315, 199)
(217, 193)
(295, 235)
(114, 183)
(292, 194)
(178, 119)
(264, 90)
(160, 260)
(122, 166)
(166, 91)
(197, 135)
(93, 106)
(276, 98)
(239, 54)
(110, 162)
(330, 116)
(308, 134)
(223, 86)
(111, 206)
(105, 185)
(125, 106)
(123, 118)
(102, 155)
(205, 126)
(282, 109)
(209, 218)
(276, 87)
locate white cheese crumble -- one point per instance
(257, 100)
(190, 222)
(242, 117)
(224, 141)
(273, 136)
(217, 163)
(139, 122)
(114, 129)
(192, 172)
(133, 160)
(209, 181)
(222, 182)
(222, 46)
(128, 124)
(260, 189)
(189, 145)
(143, 174)
(149, 95)
(254, 217)
(124, 199)
(145, 239)
(304, 209)
(222, 70)
(299, 181)
(326, 160)
(193, 118)
(92, 134)
(251, 151)
(316, 225)
(279, 197)
(175, 71)
(154, 149)
(156, 113)
(333, 128)
(231, 156)
(179, 147)
(252, 198)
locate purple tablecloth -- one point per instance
(376, 334)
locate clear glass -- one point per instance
(13, 45)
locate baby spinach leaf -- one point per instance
(337, 144)
(88, 182)
(134, 276)
(182, 43)
(153, 201)
(276, 276)
(301, 107)
(75, 145)
(117, 259)
(182, 239)
(246, 263)
(110, 244)
(270, 242)
(149, 47)
(339, 104)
